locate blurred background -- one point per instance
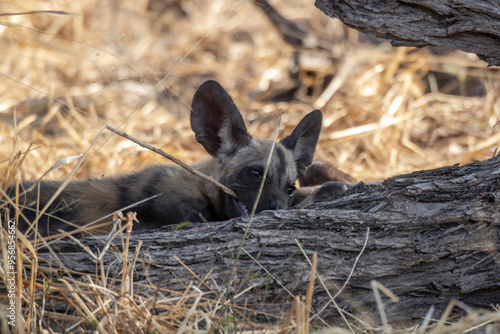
(136, 64)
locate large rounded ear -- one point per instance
(216, 121)
(302, 142)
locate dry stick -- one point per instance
(261, 188)
(58, 12)
(310, 290)
(377, 287)
(254, 208)
(340, 78)
(183, 325)
(202, 281)
(268, 272)
(288, 320)
(175, 160)
(332, 299)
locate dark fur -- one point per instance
(237, 161)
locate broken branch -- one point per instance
(175, 160)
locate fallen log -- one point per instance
(467, 25)
(430, 237)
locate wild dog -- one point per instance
(321, 181)
(168, 193)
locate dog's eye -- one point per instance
(290, 191)
(256, 172)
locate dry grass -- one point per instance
(392, 111)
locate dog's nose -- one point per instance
(276, 206)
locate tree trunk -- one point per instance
(432, 236)
(467, 25)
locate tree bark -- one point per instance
(431, 236)
(467, 25)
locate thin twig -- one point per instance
(268, 273)
(191, 311)
(377, 287)
(348, 278)
(175, 160)
(310, 290)
(57, 12)
(254, 208)
(380, 307)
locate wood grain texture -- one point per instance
(467, 25)
(434, 236)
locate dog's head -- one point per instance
(220, 128)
